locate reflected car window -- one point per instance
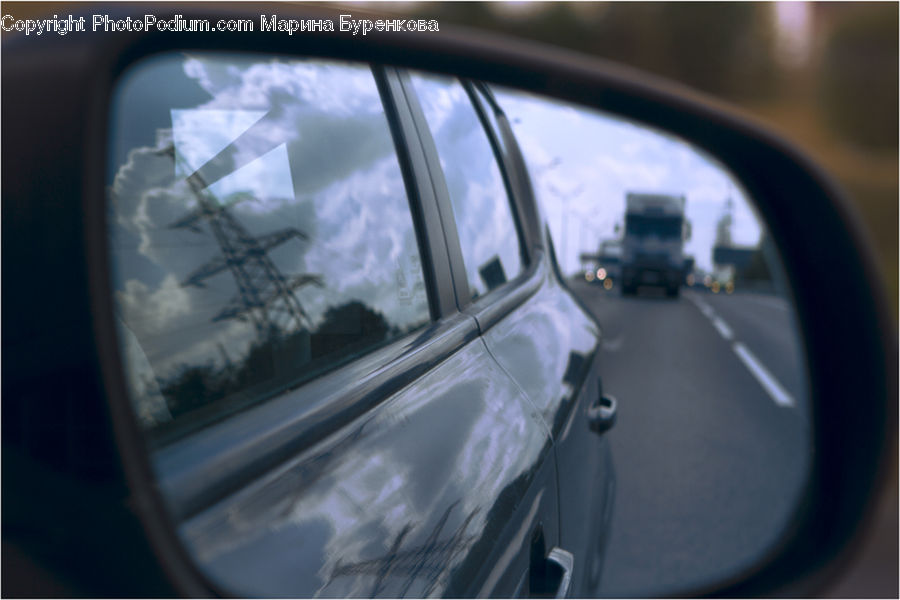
(664, 228)
(488, 108)
(484, 219)
(260, 230)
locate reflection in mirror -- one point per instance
(268, 278)
(701, 346)
(260, 231)
(484, 223)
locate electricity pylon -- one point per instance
(263, 291)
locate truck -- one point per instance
(653, 242)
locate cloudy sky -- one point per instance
(583, 163)
(304, 147)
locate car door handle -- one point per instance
(601, 413)
(550, 576)
(562, 561)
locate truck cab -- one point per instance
(653, 243)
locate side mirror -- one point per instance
(102, 359)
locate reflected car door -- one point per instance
(524, 523)
(431, 493)
(418, 469)
(491, 264)
(550, 346)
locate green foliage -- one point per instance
(192, 388)
(278, 360)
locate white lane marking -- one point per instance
(771, 385)
(613, 345)
(756, 368)
(710, 314)
(722, 326)
(705, 308)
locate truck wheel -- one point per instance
(672, 292)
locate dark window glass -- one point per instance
(484, 219)
(661, 227)
(259, 227)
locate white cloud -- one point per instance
(151, 311)
(319, 158)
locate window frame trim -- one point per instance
(494, 305)
(500, 155)
(459, 279)
(520, 178)
(436, 265)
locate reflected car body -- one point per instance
(462, 459)
(428, 492)
(68, 431)
(449, 486)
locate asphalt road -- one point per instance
(711, 443)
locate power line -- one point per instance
(265, 295)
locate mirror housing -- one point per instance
(850, 339)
